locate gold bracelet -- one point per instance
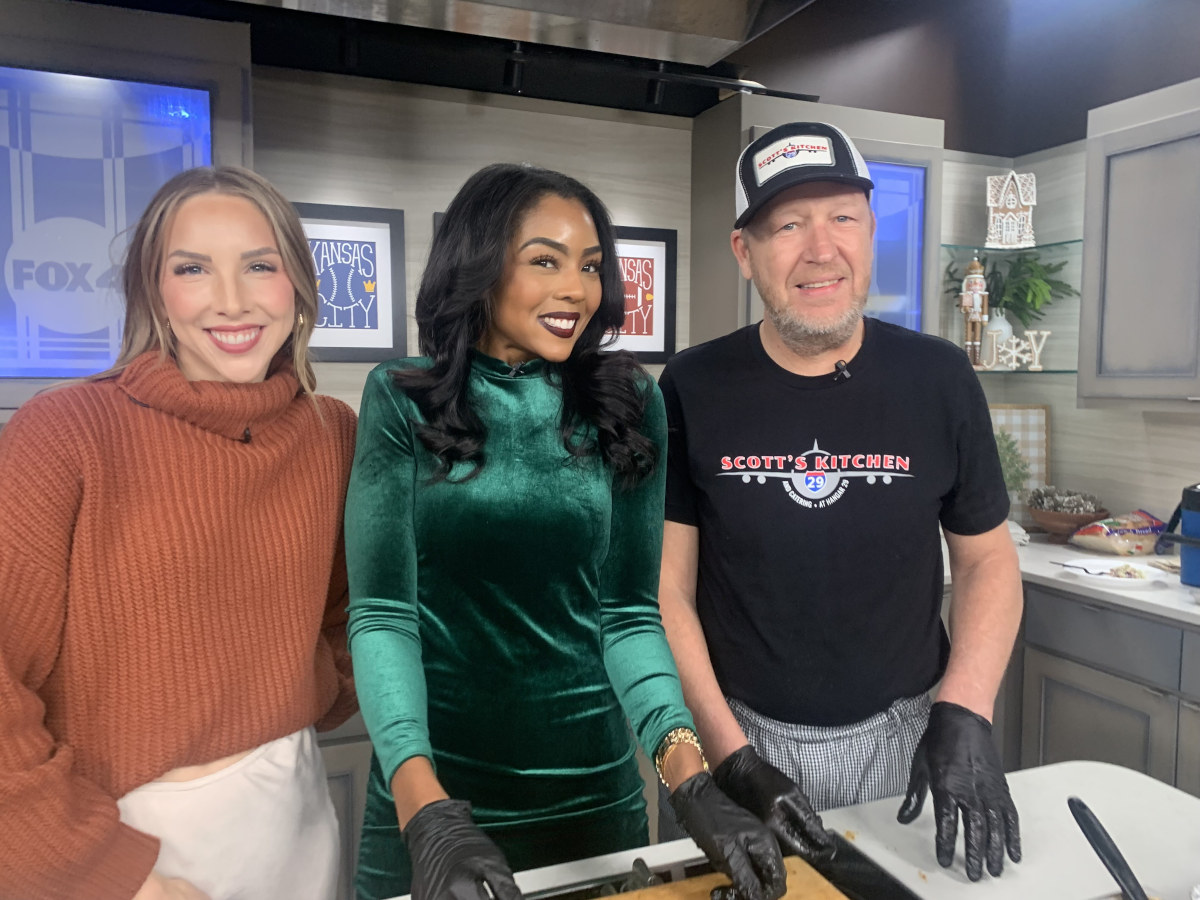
(674, 738)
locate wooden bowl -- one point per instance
(1060, 526)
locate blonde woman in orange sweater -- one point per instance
(172, 579)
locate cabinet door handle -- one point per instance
(1161, 695)
(1194, 707)
(1092, 607)
(1194, 399)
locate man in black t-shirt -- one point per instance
(812, 458)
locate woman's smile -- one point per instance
(234, 339)
(560, 324)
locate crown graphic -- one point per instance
(369, 287)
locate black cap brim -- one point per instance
(801, 178)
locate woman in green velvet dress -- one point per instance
(503, 530)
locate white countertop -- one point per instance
(1165, 596)
(1156, 827)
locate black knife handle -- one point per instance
(1103, 844)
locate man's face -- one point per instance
(809, 253)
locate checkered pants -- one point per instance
(834, 766)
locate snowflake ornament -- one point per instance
(1014, 353)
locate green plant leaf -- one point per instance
(1027, 286)
(1012, 463)
(1020, 285)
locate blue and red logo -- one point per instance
(817, 478)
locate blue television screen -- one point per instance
(80, 157)
(899, 204)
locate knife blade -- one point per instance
(1106, 849)
(857, 876)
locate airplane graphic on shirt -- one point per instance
(816, 478)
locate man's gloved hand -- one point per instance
(758, 786)
(452, 858)
(957, 760)
(734, 841)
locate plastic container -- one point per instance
(1189, 526)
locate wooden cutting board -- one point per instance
(803, 883)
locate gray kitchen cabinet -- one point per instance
(1103, 683)
(1187, 767)
(1139, 331)
(347, 755)
(1189, 675)
(1006, 714)
(1144, 650)
(1072, 711)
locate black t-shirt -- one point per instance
(818, 501)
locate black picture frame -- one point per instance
(660, 245)
(389, 340)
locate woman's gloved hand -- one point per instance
(735, 842)
(756, 785)
(452, 858)
(957, 760)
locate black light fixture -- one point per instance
(514, 69)
(655, 88)
(703, 79)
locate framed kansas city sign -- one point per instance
(359, 255)
(647, 260)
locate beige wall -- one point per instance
(361, 142)
(1129, 458)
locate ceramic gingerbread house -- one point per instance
(1011, 199)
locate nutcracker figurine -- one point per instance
(974, 303)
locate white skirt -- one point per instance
(259, 829)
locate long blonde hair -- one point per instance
(146, 325)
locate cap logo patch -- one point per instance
(789, 153)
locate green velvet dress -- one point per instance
(506, 626)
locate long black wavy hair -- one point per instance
(454, 309)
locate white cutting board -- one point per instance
(1156, 827)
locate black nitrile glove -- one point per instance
(957, 760)
(758, 786)
(452, 858)
(735, 842)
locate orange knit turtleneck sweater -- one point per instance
(172, 591)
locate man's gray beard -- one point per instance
(806, 339)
